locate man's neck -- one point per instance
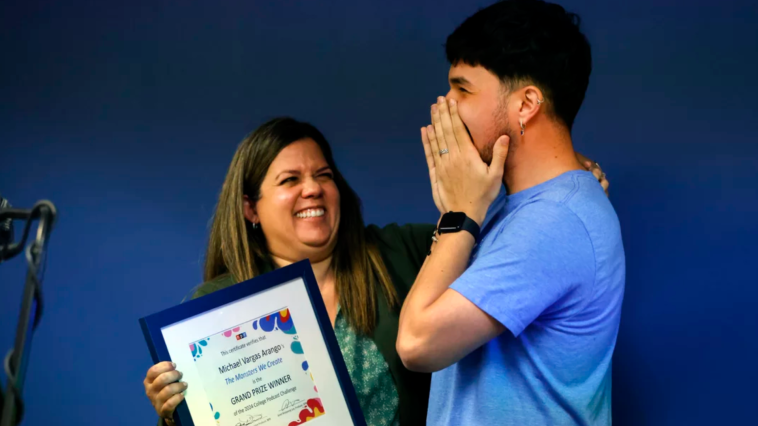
(543, 153)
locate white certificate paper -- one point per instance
(262, 365)
(260, 360)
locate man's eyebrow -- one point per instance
(461, 81)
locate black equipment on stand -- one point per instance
(16, 362)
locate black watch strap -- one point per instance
(471, 226)
(456, 222)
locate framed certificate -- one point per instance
(261, 352)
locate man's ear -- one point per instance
(531, 103)
(250, 213)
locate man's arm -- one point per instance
(438, 326)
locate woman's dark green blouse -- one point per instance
(403, 249)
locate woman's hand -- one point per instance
(594, 167)
(163, 388)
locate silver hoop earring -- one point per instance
(255, 225)
(523, 128)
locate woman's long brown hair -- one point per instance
(235, 248)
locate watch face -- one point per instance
(452, 222)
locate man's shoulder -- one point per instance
(573, 212)
(577, 196)
(547, 219)
(573, 185)
(592, 206)
(542, 213)
(537, 228)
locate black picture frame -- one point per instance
(152, 325)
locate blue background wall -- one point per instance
(127, 115)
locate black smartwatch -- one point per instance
(456, 222)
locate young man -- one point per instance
(517, 308)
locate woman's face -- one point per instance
(299, 207)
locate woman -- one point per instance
(284, 200)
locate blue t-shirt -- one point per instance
(550, 267)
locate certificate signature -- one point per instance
(291, 404)
(250, 420)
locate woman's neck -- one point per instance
(321, 269)
(326, 283)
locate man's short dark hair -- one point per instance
(532, 42)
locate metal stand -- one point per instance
(16, 361)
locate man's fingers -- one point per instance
(427, 148)
(434, 144)
(430, 164)
(446, 122)
(461, 134)
(439, 134)
(499, 155)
